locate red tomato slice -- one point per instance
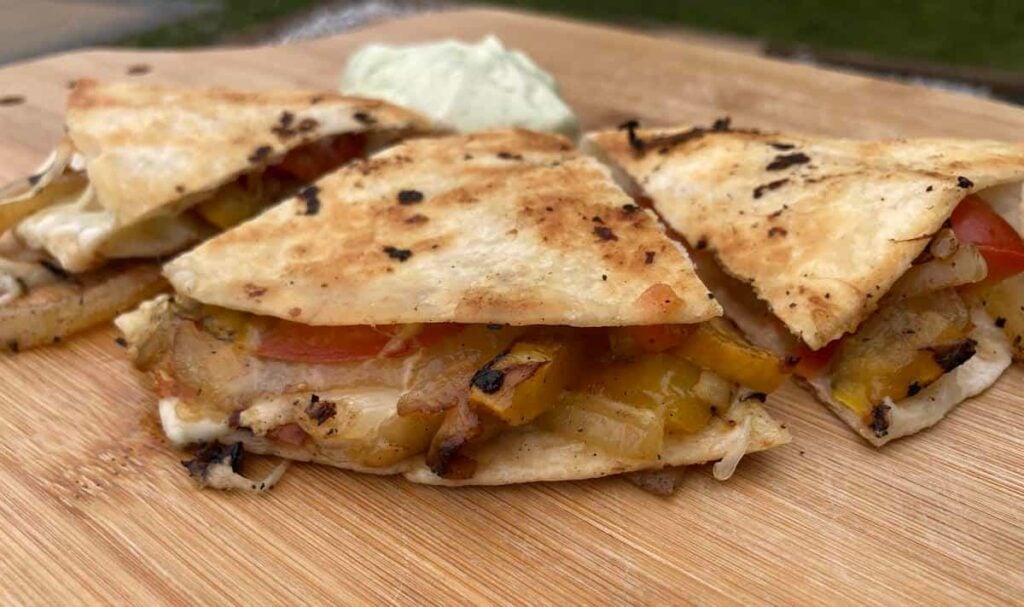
(309, 162)
(974, 222)
(811, 363)
(298, 342)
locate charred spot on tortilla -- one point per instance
(395, 253)
(771, 185)
(782, 147)
(34, 179)
(1000, 322)
(13, 346)
(913, 388)
(212, 454)
(929, 188)
(7, 100)
(951, 357)
(408, 197)
(55, 269)
(777, 231)
(260, 154)
(311, 196)
(702, 244)
(308, 124)
(630, 208)
(320, 410)
(778, 213)
(648, 257)
(509, 155)
(417, 219)
(784, 161)
(666, 142)
(605, 233)
(121, 342)
(315, 99)
(630, 126)
(253, 291)
(964, 182)
(284, 123)
(364, 118)
(179, 189)
(880, 420)
(596, 219)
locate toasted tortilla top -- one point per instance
(147, 146)
(821, 228)
(504, 226)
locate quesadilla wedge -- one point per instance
(886, 271)
(147, 171)
(482, 309)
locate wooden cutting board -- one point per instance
(96, 508)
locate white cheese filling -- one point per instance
(181, 432)
(81, 234)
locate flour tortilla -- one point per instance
(530, 454)
(140, 154)
(820, 240)
(148, 148)
(505, 226)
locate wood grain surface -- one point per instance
(96, 508)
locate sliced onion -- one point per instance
(965, 266)
(944, 245)
(713, 389)
(24, 197)
(738, 441)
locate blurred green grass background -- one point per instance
(961, 32)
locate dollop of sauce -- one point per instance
(467, 87)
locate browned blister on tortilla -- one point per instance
(820, 228)
(148, 146)
(506, 227)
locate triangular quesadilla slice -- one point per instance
(887, 271)
(482, 309)
(146, 171)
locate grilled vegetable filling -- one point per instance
(921, 330)
(68, 203)
(456, 386)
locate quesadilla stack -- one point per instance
(146, 171)
(887, 271)
(483, 309)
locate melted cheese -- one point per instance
(81, 234)
(181, 432)
(931, 404)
